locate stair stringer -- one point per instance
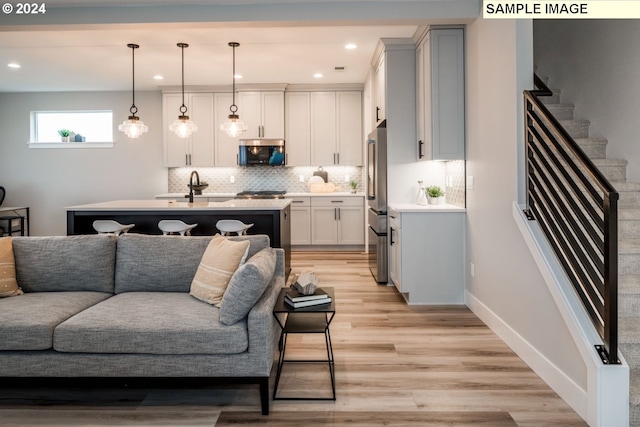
(605, 403)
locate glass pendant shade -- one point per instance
(133, 127)
(183, 127)
(233, 126)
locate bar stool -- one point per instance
(109, 226)
(11, 224)
(228, 226)
(169, 226)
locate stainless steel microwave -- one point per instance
(256, 152)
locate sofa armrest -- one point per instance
(262, 325)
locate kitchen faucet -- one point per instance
(191, 184)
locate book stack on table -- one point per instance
(297, 300)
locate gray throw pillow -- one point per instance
(247, 285)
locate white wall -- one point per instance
(48, 180)
(507, 290)
(595, 63)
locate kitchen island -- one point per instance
(269, 216)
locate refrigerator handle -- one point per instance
(391, 236)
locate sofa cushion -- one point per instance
(247, 285)
(220, 260)
(65, 263)
(165, 263)
(151, 323)
(8, 285)
(28, 322)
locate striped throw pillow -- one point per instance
(8, 284)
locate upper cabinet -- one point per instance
(298, 128)
(440, 101)
(197, 150)
(336, 128)
(379, 91)
(226, 147)
(263, 113)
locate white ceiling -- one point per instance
(82, 60)
(81, 45)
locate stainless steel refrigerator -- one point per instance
(377, 199)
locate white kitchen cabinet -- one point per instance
(263, 113)
(379, 90)
(226, 147)
(426, 259)
(298, 128)
(395, 250)
(440, 91)
(300, 220)
(198, 149)
(336, 128)
(337, 220)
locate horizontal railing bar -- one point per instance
(600, 179)
(586, 203)
(580, 174)
(588, 264)
(593, 234)
(594, 310)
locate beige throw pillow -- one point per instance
(8, 284)
(220, 260)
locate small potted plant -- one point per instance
(64, 133)
(354, 186)
(434, 194)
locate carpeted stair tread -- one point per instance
(629, 332)
(610, 162)
(629, 284)
(634, 386)
(561, 111)
(629, 214)
(628, 246)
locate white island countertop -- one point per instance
(414, 207)
(170, 205)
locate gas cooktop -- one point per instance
(261, 194)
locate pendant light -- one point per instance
(133, 127)
(233, 126)
(182, 126)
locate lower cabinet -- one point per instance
(326, 220)
(301, 221)
(337, 221)
(426, 256)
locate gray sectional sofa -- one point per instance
(119, 307)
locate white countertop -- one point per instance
(413, 207)
(181, 196)
(170, 205)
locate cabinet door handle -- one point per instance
(337, 201)
(190, 162)
(335, 214)
(297, 201)
(339, 214)
(338, 157)
(186, 159)
(391, 234)
(377, 114)
(420, 149)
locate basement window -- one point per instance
(87, 129)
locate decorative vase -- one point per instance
(434, 200)
(65, 139)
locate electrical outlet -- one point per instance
(346, 178)
(232, 179)
(301, 178)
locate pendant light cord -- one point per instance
(133, 110)
(183, 107)
(233, 107)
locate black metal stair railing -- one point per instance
(577, 209)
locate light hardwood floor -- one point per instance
(396, 365)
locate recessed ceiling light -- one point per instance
(158, 77)
(237, 76)
(13, 65)
(351, 46)
(318, 75)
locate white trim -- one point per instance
(70, 144)
(606, 403)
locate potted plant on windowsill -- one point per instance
(64, 134)
(434, 194)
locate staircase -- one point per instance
(628, 245)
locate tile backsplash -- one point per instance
(262, 178)
(455, 188)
